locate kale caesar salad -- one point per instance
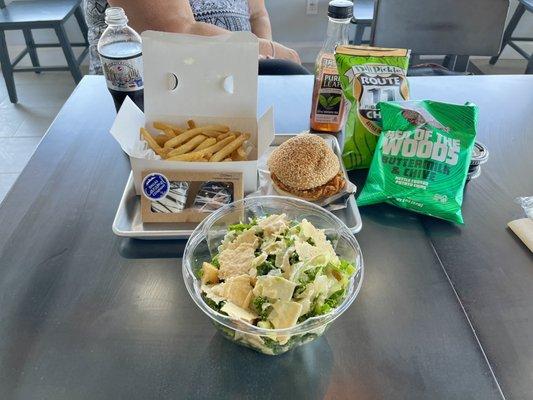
(275, 273)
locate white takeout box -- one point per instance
(207, 79)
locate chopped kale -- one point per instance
(347, 268)
(312, 273)
(265, 268)
(258, 305)
(214, 262)
(298, 290)
(288, 241)
(213, 304)
(294, 258)
(241, 227)
(335, 299)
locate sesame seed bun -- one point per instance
(307, 167)
(304, 162)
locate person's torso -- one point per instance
(232, 15)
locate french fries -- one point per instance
(162, 127)
(189, 146)
(239, 154)
(228, 149)
(170, 133)
(161, 139)
(185, 136)
(152, 143)
(207, 143)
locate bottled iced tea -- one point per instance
(327, 110)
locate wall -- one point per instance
(290, 23)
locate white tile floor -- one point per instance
(41, 96)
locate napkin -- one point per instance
(523, 228)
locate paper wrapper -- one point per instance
(335, 202)
(523, 228)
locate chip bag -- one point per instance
(368, 75)
(422, 157)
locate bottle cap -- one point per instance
(340, 9)
(480, 154)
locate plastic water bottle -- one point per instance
(120, 50)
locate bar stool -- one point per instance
(39, 14)
(523, 5)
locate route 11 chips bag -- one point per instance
(368, 75)
(422, 157)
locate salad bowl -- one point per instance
(206, 239)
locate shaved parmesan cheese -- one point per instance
(212, 294)
(260, 259)
(284, 314)
(238, 289)
(321, 285)
(274, 224)
(237, 312)
(306, 306)
(272, 247)
(248, 237)
(274, 287)
(310, 232)
(234, 262)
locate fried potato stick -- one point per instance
(206, 143)
(228, 149)
(204, 153)
(185, 136)
(152, 142)
(187, 147)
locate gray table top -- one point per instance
(88, 315)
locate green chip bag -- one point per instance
(368, 75)
(422, 157)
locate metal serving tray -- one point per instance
(128, 222)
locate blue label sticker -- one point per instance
(155, 186)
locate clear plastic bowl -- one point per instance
(205, 239)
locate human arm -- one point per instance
(177, 16)
(259, 19)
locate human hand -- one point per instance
(285, 53)
(271, 49)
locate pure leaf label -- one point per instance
(334, 100)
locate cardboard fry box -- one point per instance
(207, 79)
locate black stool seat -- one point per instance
(35, 12)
